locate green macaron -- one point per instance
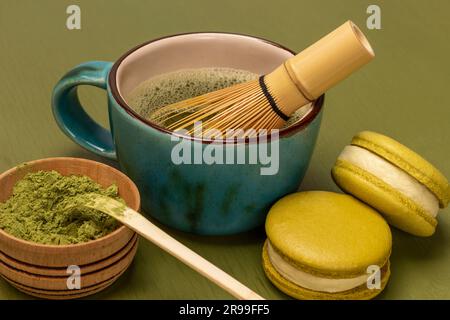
(395, 180)
(325, 245)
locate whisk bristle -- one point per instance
(207, 109)
(244, 107)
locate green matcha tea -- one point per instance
(183, 84)
(37, 210)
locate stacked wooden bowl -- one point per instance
(47, 271)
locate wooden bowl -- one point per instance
(37, 268)
(88, 279)
(56, 287)
(62, 271)
(64, 294)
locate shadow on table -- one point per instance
(417, 248)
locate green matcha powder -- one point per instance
(37, 210)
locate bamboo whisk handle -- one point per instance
(330, 60)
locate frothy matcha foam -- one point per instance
(183, 84)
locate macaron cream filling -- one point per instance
(392, 175)
(309, 281)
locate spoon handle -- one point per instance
(151, 232)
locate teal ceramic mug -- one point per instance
(203, 198)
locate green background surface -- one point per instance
(403, 93)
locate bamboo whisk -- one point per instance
(268, 102)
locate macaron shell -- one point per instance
(399, 210)
(407, 160)
(297, 292)
(328, 234)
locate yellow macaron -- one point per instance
(395, 180)
(325, 245)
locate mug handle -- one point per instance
(70, 115)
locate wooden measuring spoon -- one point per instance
(151, 232)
